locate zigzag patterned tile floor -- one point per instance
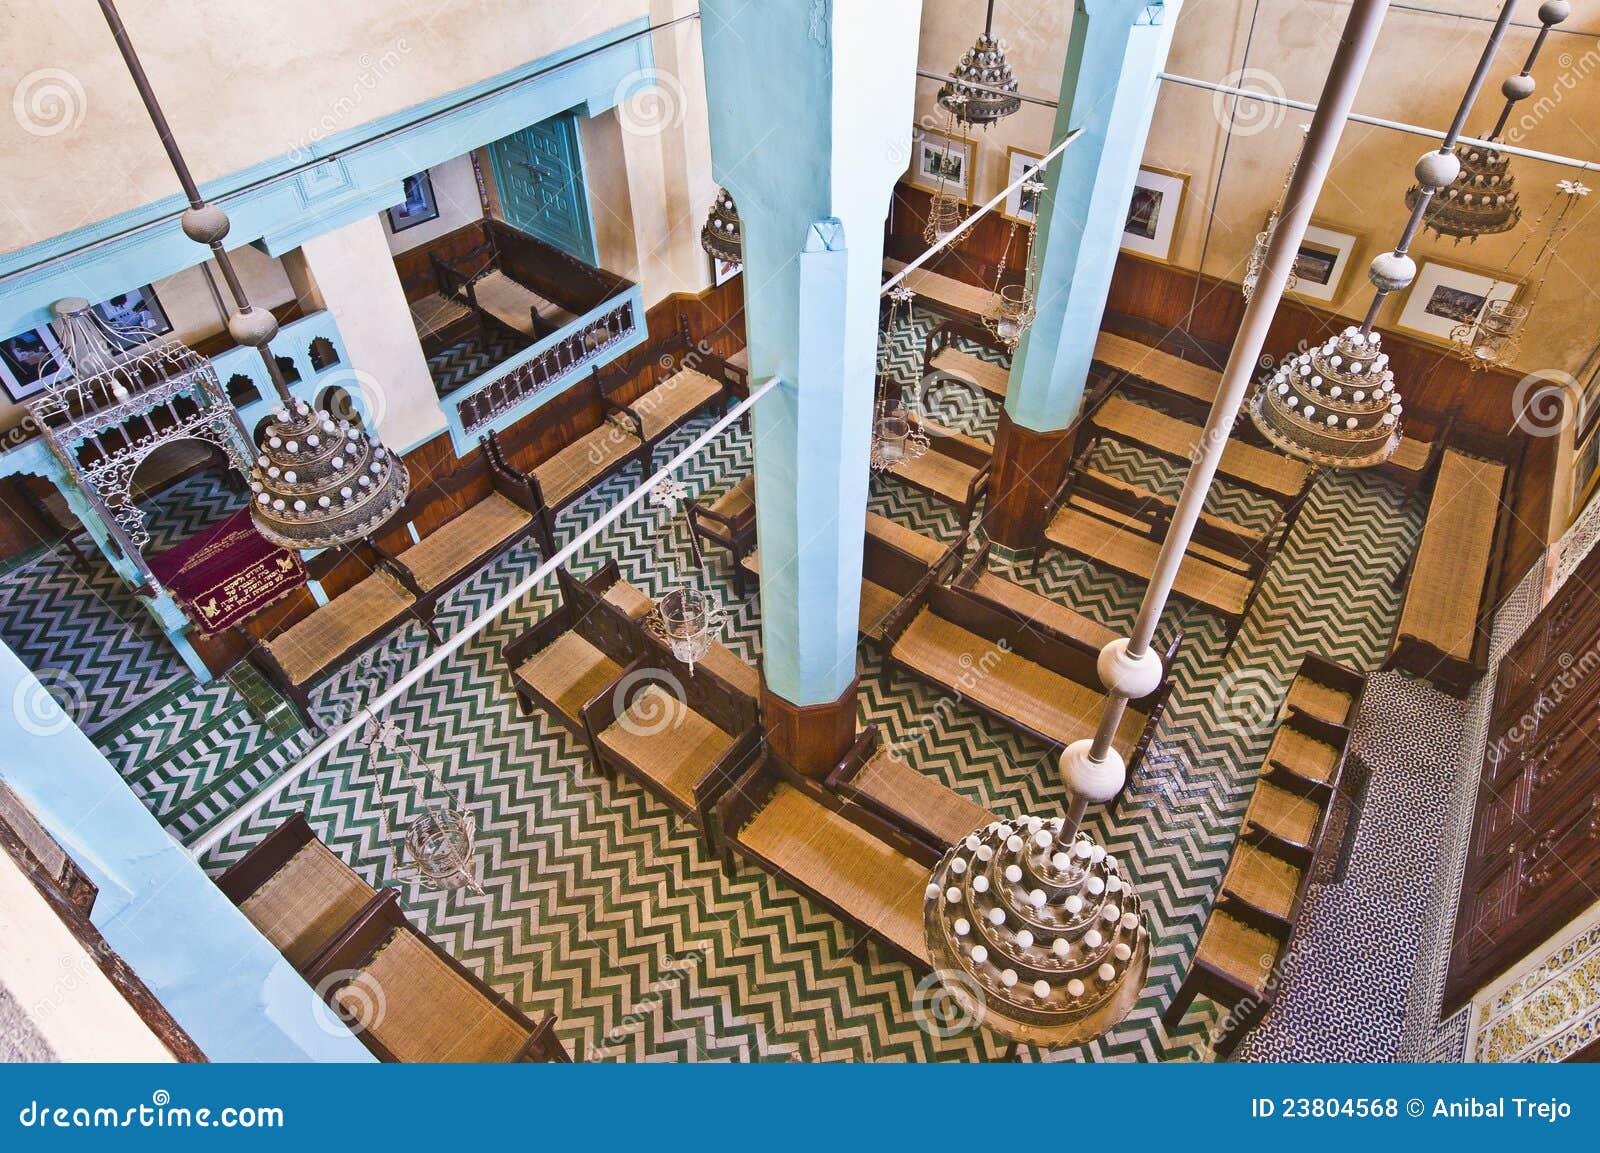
(602, 905)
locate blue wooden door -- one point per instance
(539, 174)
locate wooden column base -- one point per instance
(1027, 470)
(811, 739)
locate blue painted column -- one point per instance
(1115, 54)
(811, 108)
(229, 988)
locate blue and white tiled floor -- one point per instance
(602, 905)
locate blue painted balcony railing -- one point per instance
(513, 388)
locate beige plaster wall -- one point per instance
(1417, 75)
(242, 83)
(455, 194)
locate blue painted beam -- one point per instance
(225, 984)
(1115, 54)
(811, 109)
(332, 179)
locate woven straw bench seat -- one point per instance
(1410, 455)
(946, 292)
(311, 646)
(1243, 954)
(909, 541)
(576, 467)
(464, 540)
(1262, 881)
(877, 602)
(634, 602)
(1309, 759)
(1184, 377)
(1042, 609)
(1445, 592)
(431, 1013)
(1142, 496)
(568, 672)
(436, 312)
(1286, 816)
(514, 304)
(302, 905)
(666, 740)
(1128, 552)
(1253, 467)
(943, 475)
(740, 359)
(1319, 700)
(1010, 685)
(736, 501)
(890, 782)
(843, 864)
(974, 370)
(662, 408)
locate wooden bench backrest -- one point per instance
(598, 621)
(960, 607)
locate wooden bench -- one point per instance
(1451, 583)
(569, 475)
(684, 736)
(1024, 674)
(296, 891)
(877, 778)
(578, 651)
(1101, 524)
(483, 532)
(688, 379)
(954, 297)
(839, 855)
(954, 470)
(481, 280)
(408, 1000)
(1325, 690)
(896, 562)
(729, 522)
(941, 355)
(1260, 470)
(300, 657)
(1029, 606)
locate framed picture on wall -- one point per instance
(138, 309)
(1585, 470)
(942, 162)
(1153, 213)
(1022, 204)
(418, 207)
(723, 271)
(1445, 296)
(24, 361)
(1325, 257)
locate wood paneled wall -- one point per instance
(1198, 317)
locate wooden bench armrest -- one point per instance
(352, 947)
(537, 637)
(855, 758)
(613, 407)
(395, 567)
(542, 1045)
(738, 804)
(256, 867)
(900, 617)
(600, 711)
(722, 774)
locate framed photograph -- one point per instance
(138, 309)
(1021, 205)
(1585, 470)
(1445, 296)
(1153, 213)
(1325, 257)
(418, 207)
(723, 271)
(24, 359)
(941, 161)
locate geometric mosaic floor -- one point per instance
(601, 904)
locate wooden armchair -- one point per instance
(300, 657)
(574, 653)
(729, 522)
(569, 475)
(669, 382)
(296, 891)
(685, 736)
(408, 1000)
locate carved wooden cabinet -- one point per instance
(1534, 861)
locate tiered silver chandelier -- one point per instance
(982, 88)
(1338, 405)
(316, 482)
(721, 235)
(1483, 199)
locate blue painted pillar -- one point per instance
(232, 992)
(1108, 89)
(811, 108)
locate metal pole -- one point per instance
(1093, 770)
